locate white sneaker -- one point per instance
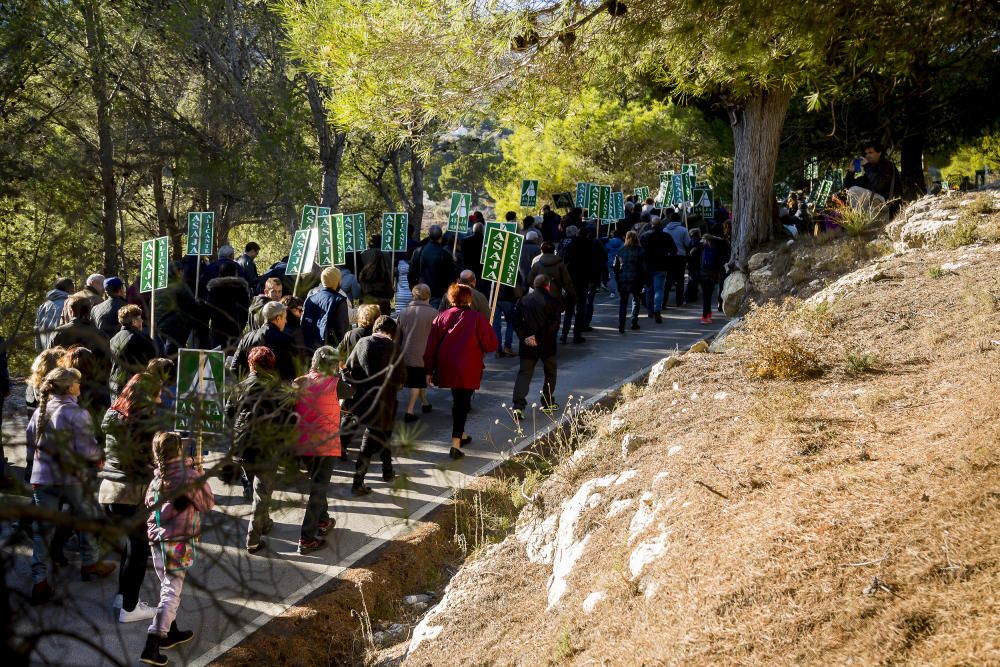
(142, 612)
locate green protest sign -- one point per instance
(677, 189)
(582, 195)
(298, 262)
(494, 224)
(503, 253)
(324, 236)
(529, 193)
(823, 192)
(200, 406)
(360, 232)
(665, 176)
(200, 233)
(604, 203)
(310, 216)
(154, 263)
(458, 216)
(689, 172)
(594, 200)
(642, 192)
(810, 168)
(704, 200)
(339, 238)
(617, 205)
(394, 231)
(662, 194)
(349, 232)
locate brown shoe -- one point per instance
(98, 570)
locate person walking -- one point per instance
(479, 301)
(551, 265)
(49, 314)
(536, 318)
(248, 264)
(80, 330)
(614, 244)
(64, 456)
(325, 313)
(471, 248)
(131, 349)
(714, 255)
(433, 265)
(375, 273)
(678, 261)
(318, 442)
(272, 336)
(630, 275)
(377, 371)
(228, 305)
(414, 328)
(659, 247)
(178, 495)
(105, 314)
(129, 426)
(453, 358)
(579, 258)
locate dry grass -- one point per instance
(840, 519)
(781, 341)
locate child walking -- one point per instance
(177, 496)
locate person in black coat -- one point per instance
(472, 251)
(376, 369)
(536, 320)
(105, 314)
(325, 316)
(579, 257)
(178, 313)
(659, 247)
(271, 335)
(81, 331)
(434, 266)
(131, 349)
(228, 305)
(550, 225)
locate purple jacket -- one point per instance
(67, 445)
(177, 479)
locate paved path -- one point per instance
(230, 593)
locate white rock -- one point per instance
(694, 396)
(676, 386)
(630, 443)
(415, 599)
(758, 261)
(594, 500)
(391, 635)
(643, 516)
(659, 477)
(733, 292)
(720, 396)
(625, 476)
(619, 506)
(952, 266)
(646, 553)
(674, 450)
(617, 423)
(592, 600)
(538, 537)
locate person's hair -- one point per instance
(261, 359)
(272, 310)
(510, 216)
(227, 270)
(657, 222)
(528, 221)
(251, 247)
(650, 201)
(459, 295)
(874, 145)
(541, 280)
(421, 292)
(477, 228)
(290, 302)
(273, 282)
(43, 363)
(161, 367)
(325, 360)
(95, 280)
(435, 233)
(546, 207)
(675, 216)
(64, 284)
(166, 447)
(572, 231)
(128, 313)
(58, 381)
(375, 241)
(82, 359)
(367, 314)
(226, 252)
(631, 238)
(532, 235)
(79, 306)
(548, 248)
(330, 278)
(385, 324)
(468, 277)
(140, 393)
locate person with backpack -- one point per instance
(325, 314)
(714, 255)
(433, 265)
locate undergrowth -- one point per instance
(782, 341)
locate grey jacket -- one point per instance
(105, 315)
(48, 317)
(414, 327)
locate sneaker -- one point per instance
(388, 475)
(426, 408)
(455, 453)
(517, 414)
(142, 612)
(325, 526)
(308, 546)
(409, 418)
(551, 408)
(98, 570)
(358, 491)
(176, 637)
(151, 653)
(706, 320)
(254, 547)
(658, 317)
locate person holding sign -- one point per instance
(536, 319)
(453, 359)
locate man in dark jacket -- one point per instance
(536, 320)
(375, 272)
(105, 314)
(659, 247)
(81, 331)
(434, 266)
(550, 225)
(178, 313)
(377, 371)
(271, 335)
(228, 305)
(131, 349)
(273, 289)
(579, 258)
(881, 176)
(249, 265)
(472, 250)
(325, 316)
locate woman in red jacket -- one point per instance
(453, 358)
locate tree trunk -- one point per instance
(97, 48)
(331, 146)
(417, 167)
(911, 165)
(756, 137)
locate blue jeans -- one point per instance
(506, 309)
(654, 296)
(635, 296)
(51, 497)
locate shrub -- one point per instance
(782, 341)
(856, 221)
(935, 272)
(983, 204)
(860, 362)
(960, 234)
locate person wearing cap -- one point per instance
(93, 289)
(325, 313)
(105, 313)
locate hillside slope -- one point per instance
(851, 517)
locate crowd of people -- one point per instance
(310, 376)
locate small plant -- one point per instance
(857, 220)
(982, 205)
(936, 272)
(782, 341)
(563, 649)
(960, 234)
(860, 362)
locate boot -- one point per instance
(175, 637)
(360, 470)
(151, 653)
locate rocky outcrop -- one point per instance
(923, 221)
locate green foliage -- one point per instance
(936, 272)
(860, 362)
(960, 234)
(967, 158)
(601, 140)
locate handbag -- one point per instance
(346, 389)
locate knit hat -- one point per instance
(330, 277)
(112, 284)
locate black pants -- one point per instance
(374, 441)
(134, 554)
(460, 407)
(694, 282)
(523, 381)
(707, 291)
(319, 469)
(676, 265)
(349, 427)
(576, 315)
